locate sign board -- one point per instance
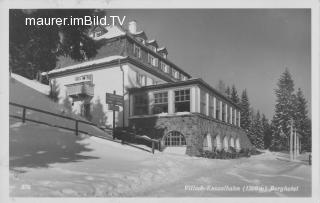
(113, 107)
(114, 99)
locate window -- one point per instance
(233, 116)
(141, 79)
(153, 82)
(211, 107)
(84, 78)
(160, 103)
(182, 100)
(153, 48)
(140, 104)
(228, 114)
(99, 33)
(183, 78)
(164, 67)
(223, 112)
(175, 74)
(203, 102)
(164, 55)
(207, 143)
(136, 51)
(175, 138)
(152, 60)
(141, 40)
(218, 109)
(238, 118)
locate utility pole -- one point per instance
(291, 140)
(113, 119)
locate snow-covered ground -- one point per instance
(47, 161)
(32, 84)
(51, 162)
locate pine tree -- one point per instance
(301, 120)
(67, 104)
(234, 95)
(34, 49)
(98, 115)
(54, 91)
(251, 132)
(258, 130)
(228, 92)
(267, 133)
(284, 111)
(221, 87)
(245, 111)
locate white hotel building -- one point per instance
(160, 99)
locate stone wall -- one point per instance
(193, 126)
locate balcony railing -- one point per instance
(83, 89)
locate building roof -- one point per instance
(152, 42)
(141, 34)
(112, 31)
(196, 81)
(85, 64)
(162, 50)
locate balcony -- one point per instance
(80, 90)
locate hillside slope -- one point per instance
(28, 93)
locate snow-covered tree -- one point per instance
(267, 133)
(284, 111)
(251, 132)
(245, 111)
(258, 130)
(234, 95)
(301, 120)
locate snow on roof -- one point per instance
(113, 31)
(162, 49)
(32, 83)
(84, 64)
(138, 33)
(151, 41)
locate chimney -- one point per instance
(132, 26)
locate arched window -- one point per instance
(238, 147)
(175, 138)
(207, 143)
(225, 143)
(231, 142)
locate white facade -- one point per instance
(107, 80)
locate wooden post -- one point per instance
(24, 115)
(77, 128)
(295, 144)
(152, 147)
(113, 119)
(291, 141)
(310, 159)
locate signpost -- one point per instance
(114, 101)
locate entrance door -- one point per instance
(87, 111)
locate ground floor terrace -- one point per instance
(189, 116)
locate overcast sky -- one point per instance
(248, 48)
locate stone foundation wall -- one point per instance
(193, 126)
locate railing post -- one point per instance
(152, 147)
(77, 128)
(24, 115)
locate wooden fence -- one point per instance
(76, 129)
